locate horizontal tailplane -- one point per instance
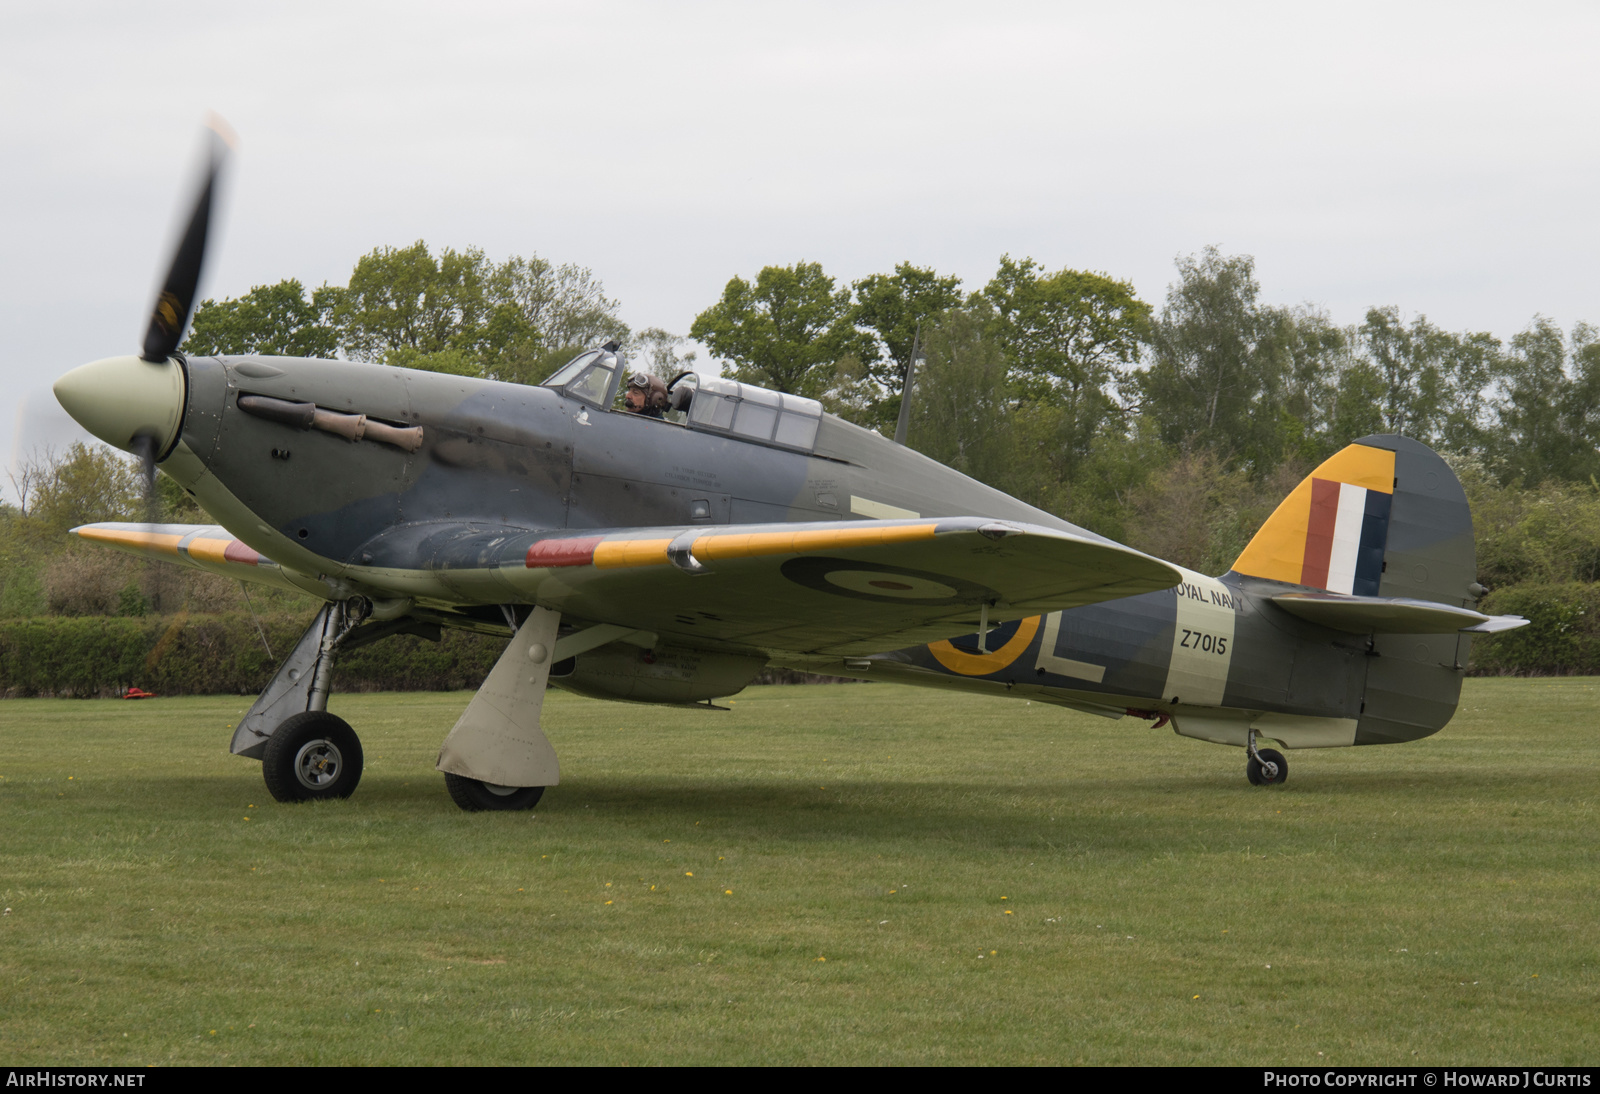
(1391, 615)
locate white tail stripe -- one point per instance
(1346, 538)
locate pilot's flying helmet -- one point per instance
(655, 391)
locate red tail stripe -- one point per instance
(1319, 533)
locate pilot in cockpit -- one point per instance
(646, 395)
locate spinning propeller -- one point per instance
(169, 319)
(136, 403)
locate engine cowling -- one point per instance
(666, 674)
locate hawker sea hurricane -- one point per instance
(666, 545)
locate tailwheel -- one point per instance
(1266, 767)
(312, 756)
(478, 797)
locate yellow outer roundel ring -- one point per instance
(982, 664)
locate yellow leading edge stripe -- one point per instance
(714, 548)
(209, 550)
(610, 554)
(151, 541)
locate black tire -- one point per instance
(312, 756)
(480, 797)
(1257, 774)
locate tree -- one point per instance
(1412, 364)
(784, 332)
(961, 415)
(1582, 408)
(82, 486)
(271, 320)
(1546, 419)
(1475, 363)
(1069, 337)
(460, 313)
(540, 315)
(660, 353)
(561, 306)
(1358, 403)
(1214, 378)
(1069, 331)
(403, 304)
(893, 308)
(1317, 368)
(1413, 379)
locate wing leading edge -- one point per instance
(834, 588)
(208, 547)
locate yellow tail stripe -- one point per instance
(1359, 465)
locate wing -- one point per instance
(828, 588)
(831, 588)
(208, 547)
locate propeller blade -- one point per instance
(169, 319)
(144, 446)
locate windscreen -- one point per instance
(567, 371)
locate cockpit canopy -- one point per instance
(716, 405)
(709, 404)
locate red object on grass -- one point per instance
(136, 693)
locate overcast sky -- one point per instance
(1438, 157)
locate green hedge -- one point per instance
(1562, 636)
(91, 656)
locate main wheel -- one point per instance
(313, 755)
(1258, 774)
(477, 797)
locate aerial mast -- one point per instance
(905, 388)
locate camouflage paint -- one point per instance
(1221, 643)
(503, 467)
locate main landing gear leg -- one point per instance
(305, 752)
(1266, 766)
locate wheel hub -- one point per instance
(317, 764)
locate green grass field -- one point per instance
(852, 874)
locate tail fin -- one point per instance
(1330, 533)
(1385, 517)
